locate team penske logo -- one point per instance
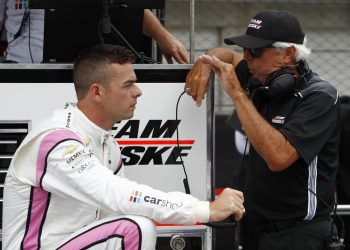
(137, 197)
(154, 144)
(255, 24)
(279, 120)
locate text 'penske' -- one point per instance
(153, 144)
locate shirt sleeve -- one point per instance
(311, 124)
(70, 170)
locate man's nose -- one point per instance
(138, 91)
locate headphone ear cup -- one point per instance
(281, 86)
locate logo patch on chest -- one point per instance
(278, 119)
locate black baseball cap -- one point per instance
(267, 27)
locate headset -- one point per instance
(287, 81)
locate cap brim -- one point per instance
(247, 41)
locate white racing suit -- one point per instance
(65, 190)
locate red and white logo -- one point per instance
(153, 145)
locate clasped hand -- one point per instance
(198, 78)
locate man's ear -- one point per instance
(289, 56)
(96, 91)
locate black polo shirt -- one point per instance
(309, 119)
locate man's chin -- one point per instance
(129, 116)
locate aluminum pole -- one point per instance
(192, 41)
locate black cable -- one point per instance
(107, 27)
(20, 30)
(240, 174)
(241, 168)
(139, 55)
(25, 19)
(116, 33)
(335, 215)
(185, 180)
(29, 36)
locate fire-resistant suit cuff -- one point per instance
(202, 211)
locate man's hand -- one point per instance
(168, 44)
(197, 81)
(225, 72)
(172, 48)
(229, 202)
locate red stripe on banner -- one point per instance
(155, 142)
(219, 190)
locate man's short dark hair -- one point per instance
(92, 64)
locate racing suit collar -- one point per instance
(97, 133)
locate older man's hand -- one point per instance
(197, 81)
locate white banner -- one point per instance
(148, 140)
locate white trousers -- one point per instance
(119, 232)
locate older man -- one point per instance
(291, 118)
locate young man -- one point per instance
(65, 187)
(291, 118)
